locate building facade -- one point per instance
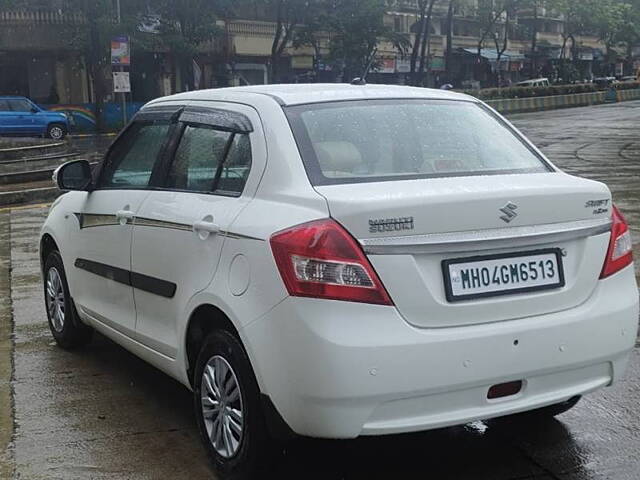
(41, 59)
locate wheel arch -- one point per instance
(204, 319)
(47, 245)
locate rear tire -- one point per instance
(66, 327)
(228, 409)
(56, 131)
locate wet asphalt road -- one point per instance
(102, 413)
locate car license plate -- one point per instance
(492, 275)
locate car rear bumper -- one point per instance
(339, 370)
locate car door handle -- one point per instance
(124, 216)
(205, 227)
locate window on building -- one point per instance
(398, 24)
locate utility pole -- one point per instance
(124, 94)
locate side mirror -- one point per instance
(74, 175)
(34, 110)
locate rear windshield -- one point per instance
(379, 140)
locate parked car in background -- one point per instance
(341, 260)
(19, 116)
(605, 81)
(534, 82)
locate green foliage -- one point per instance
(186, 24)
(355, 28)
(527, 92)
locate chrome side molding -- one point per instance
(485, 239)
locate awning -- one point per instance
(492, 55)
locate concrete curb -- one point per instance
(538, 104)
(33, 195)
(28, 176)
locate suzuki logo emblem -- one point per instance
(509, 211)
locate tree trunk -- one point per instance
(500, 51)
(425, 40)
(95, 65)
(273, 70)
(534, 41)
(416, 41)
(563, 58)
(448, 56)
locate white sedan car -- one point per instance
(341, 260)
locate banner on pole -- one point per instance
(120, 51)
(197, 75)
(121, 82)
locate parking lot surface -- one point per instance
(102, 413)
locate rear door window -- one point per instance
(4, 106)
(131, 159)
(208, 160)
(376, 140)
(20, 105)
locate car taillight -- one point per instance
(619, 253)
(320, 259)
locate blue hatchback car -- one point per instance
(20, 116)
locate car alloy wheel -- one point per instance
(55, 299)
(56, 133)
(221, 402)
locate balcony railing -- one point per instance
(251, 28)
(40, 18)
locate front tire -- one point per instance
(56, 131)
(67, 329)
(228, 409)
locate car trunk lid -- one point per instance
(409, 228)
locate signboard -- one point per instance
(197, 75)
(120, 51)
(586, 56)
(324, 67)
(403, 65)
(437, 64)
(302, 62)
(121, 82)
(387, 65)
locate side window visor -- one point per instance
(218, 118)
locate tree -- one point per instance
(356, 27)
(578, 16)
(610, 21)
(535, 7)
(295, 25)
(420, 41)
(489, 13)
(501, 35)
(448, 54)
(94, 38)
(288, 14)
(629, 33)
(185, 25)
(311, 33)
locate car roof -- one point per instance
(12, 97)
(301, 93)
